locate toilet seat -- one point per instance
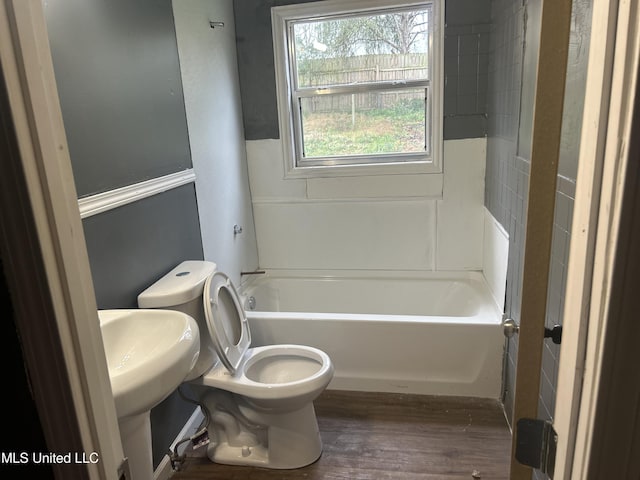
(226, 320)
(253, 382)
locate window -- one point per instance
(359, 86)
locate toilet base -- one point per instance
(244, 435)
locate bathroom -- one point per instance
(150, 106)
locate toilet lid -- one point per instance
(226, 320)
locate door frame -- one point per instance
(602, 195)
(555, 26)
(606, 140)
(46, 261)
(604, 155)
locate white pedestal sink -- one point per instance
(149, 353)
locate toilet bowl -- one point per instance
(259, 400)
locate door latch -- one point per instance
(555, 334)
(511, 328)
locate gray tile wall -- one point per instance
(466, 55)
(503, 107)
(513, 48)
(565, 195)
(507, 175)
(555, 299)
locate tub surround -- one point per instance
(414, 222)
(460, 225)
(495, 256)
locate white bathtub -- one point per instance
(429, 333)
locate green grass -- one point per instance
(393, 130)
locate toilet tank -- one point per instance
(181, 285)
(181, 289)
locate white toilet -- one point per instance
(260, 399)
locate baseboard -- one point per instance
(164, 470)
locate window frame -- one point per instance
(287, 95)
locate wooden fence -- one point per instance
(361, 69)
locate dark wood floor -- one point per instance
(374, 436)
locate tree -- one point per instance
(399, 32)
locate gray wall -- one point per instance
(512, 70)
(118, 76)
(466, 58)
(132, 246)
(119, 82)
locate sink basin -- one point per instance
(149, 353)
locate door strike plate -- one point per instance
(536, 442)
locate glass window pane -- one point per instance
(344, 50)
(380, 122)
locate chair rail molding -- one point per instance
(104, 201)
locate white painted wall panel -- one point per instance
(459, 236)
(352, 235)
(371, 222)
(266, 173)
(376, 186)
(460, 226)
(214, 119)
(464, 170)
(495, 257)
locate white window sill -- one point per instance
(408, 168)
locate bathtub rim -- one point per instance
(360, 274)
(482, 318)
(488, 311)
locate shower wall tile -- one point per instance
(507, 175)
(466, 44)
(556, 294)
